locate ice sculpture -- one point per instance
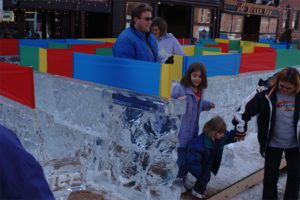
(90, 136)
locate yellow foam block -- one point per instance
(205, 53)
(219, 40)
(177, 68)
(189, 50)
(42, 60)
(261, 45)
(111, 40)
(248, 49)
(165, 81)
(246, 43)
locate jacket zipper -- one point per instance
(270, 117)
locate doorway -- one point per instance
(251, 28)
(178, 19)
(97, 25)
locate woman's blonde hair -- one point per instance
(290, 75)
(213, 126)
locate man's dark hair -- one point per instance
(138, 10)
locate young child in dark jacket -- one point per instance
(204, 153)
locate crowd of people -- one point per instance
(277, 105)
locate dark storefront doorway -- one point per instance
(98, 25)
(178, 19)
(251, 28)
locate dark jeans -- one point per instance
(181, 162)
(202, 181)
(272, 162)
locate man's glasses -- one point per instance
(147, 18)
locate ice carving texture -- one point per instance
(87, 134)
(91, 136)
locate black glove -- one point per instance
(262, 152)
(170, 60)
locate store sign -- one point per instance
(8, 16)
(251, 8)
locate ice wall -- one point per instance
(89, 135)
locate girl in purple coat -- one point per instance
(191, 89)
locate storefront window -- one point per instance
(264, 25)
(295, 23)
(129, 7)
(226, 22)
(268, 27)
(286, 19)
(237, 23)
(273, 25)
(202, 22)
(231, 26)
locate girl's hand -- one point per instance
(212, 105)
(181, 98)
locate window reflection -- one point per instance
(295, 22)
(267, 27)
(231, 26)
(286, 19)
(202, 22)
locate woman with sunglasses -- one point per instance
(277, 109)
(168, 45)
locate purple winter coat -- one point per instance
(168, 45)
(189, 127)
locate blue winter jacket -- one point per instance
(136, 45)
(21, 176)
(189, 127)
(205, 156)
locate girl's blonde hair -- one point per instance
(213, 126)
(290, 75)
(196, 66)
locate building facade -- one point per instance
(104, 18)
(249, 21)
(185, 19)
(290, 18)
(58, 19)
(233, 19)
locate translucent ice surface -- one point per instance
(90, 136)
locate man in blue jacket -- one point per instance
(136, 42)
(21, 176)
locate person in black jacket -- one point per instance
(277, 108)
